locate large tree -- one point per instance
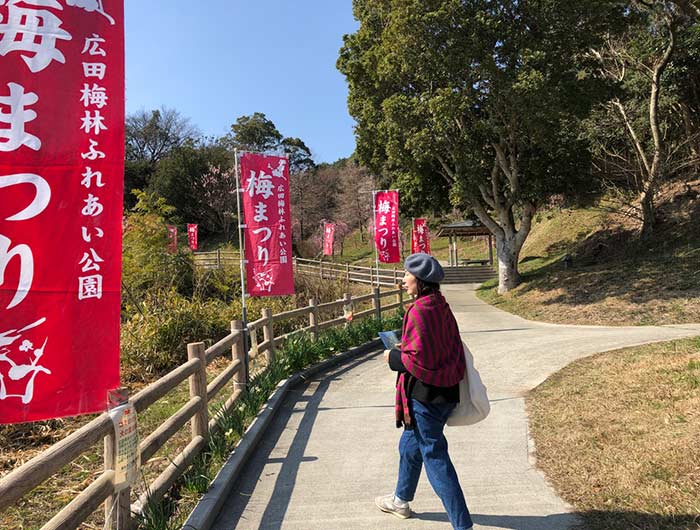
(648, 131)
(255, 133)
(197, 179)
(355, 194)
(153, 135)
(480, 98)
(302, 182)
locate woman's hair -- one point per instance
(426, 287)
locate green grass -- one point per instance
(357, 252)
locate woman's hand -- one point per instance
(386, 355)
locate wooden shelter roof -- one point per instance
(463, 228)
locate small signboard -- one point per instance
(128, 457)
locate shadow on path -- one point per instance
(274, 513)
(599, 520)
(559, 521)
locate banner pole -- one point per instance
(376, 250)
(241, 250)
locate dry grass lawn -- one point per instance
(616, 279)
(617, 435)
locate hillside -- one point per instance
(361, 252)
(614, 278)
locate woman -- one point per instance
(430, 363)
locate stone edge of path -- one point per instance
(207, 509)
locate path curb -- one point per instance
(207, 509)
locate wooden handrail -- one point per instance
(221, 347)
(25, 478)
(87, 501)
(154, 441)
(20, 481)
(153, 392)
(166, 479)
(224, 377)
(301, 311)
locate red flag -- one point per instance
(172, 239)
(61, 185)
(420, 240)
(268, 250)
(386, 234)
(192, 236)
(328, 235)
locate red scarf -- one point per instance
(431, 350)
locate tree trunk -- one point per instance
(508, 253)
(648, 213)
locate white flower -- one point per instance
(26, 346)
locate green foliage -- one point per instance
(435, 85)
(220, 284)
(479, 102)
(254, 133)
(155, 340)
(193, 179)
(147, 266)
(648, 129)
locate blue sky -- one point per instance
(216, 60)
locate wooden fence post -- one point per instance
(218, 258)
(377, 302)
(347, 306)
(253, 336)
(399, 296)
(313, 319)
(396, 276)
(198, 387)
(320, 269)
(269, 334)
(347, 273)
(238, 353)
(117, 506)
(371, 276)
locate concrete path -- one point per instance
(333, 445)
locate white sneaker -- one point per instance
(386, 504)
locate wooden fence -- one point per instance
(350, 273)
(326, 270)
(118, 506)
(216, 259)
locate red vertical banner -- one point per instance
(328, 238)
(386, 234)
(172, 238)
(192, 236)
(61, 185)
(268, 250)
(420, 238)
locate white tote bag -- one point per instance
(473, 403)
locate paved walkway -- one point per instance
(333, 445)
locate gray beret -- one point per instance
(424, 267)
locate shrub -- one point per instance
(147, 266)
(155, 341)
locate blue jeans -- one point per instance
(426, 444)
